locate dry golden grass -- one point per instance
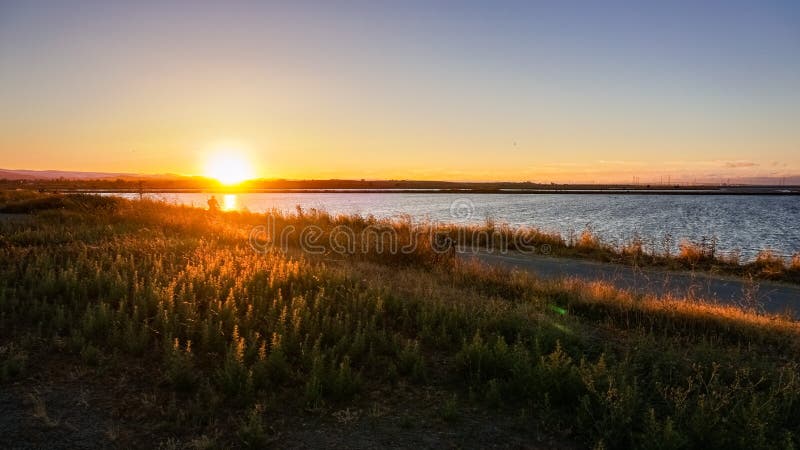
(691, 252)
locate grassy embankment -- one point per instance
(229, 342)
(699, 256)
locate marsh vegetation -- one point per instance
(195, 340)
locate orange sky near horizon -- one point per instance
(279, 157)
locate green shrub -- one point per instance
(180, 371)
(346, 382)
(252, 430)
(234, 379)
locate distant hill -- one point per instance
(22, 174)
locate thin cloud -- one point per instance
(740, 164)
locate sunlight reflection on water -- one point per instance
(229, 202)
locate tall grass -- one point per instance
(226, 327)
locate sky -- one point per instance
(448, 90)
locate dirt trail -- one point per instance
(771, 296)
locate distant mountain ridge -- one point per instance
(25, 174)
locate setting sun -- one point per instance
(229, 167)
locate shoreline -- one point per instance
(695, 256)
(711, 192)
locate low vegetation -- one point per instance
(229, 342)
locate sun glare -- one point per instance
(229, 167)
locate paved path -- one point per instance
(774, 297)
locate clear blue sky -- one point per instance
(570, 91)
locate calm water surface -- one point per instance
(739, 223)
